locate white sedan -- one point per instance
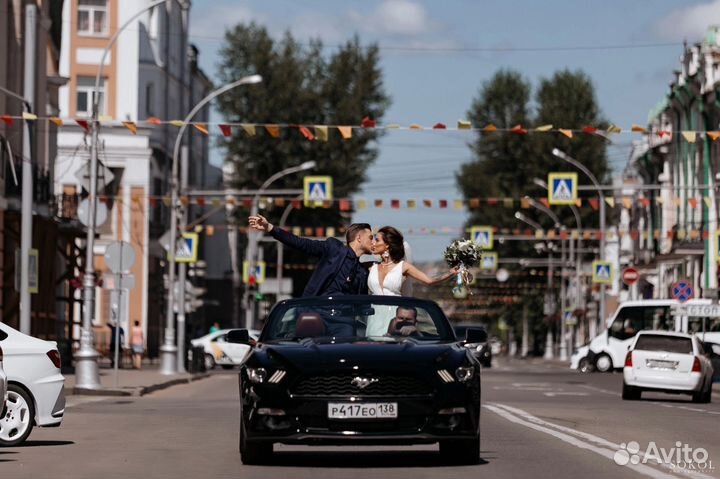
(219, 351)
(36, 389)
(667, 362)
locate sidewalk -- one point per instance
(131, 382)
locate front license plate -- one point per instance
(365, 410)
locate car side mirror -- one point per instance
(473, 336)
(238, 336)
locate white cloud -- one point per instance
(689, 23)
(402, 17)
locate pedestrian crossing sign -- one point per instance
(259, 272)
(489, 261)
(317, 190)
(482, 236)
(187, 248)
(602, 272)
(562, 188)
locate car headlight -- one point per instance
(464, 373)
(256, 375)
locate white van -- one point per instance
(607, 350)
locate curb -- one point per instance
(137, 391)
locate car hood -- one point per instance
(358, 354)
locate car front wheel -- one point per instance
(17, 423)
(461, 451)
(585, 366)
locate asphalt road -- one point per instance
(538, 421)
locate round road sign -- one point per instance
(682, 291)
(630, 275)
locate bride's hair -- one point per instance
(394, 240)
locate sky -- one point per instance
(436, 56)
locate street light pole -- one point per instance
(254, 236)
(86, 367)
(168, 350)
(563, 300)
(563, 156)
(548, 336)
(281, 249)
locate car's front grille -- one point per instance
(346, 385)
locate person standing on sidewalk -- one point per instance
(137, 343)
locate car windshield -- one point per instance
(376, 318)
(670, 344)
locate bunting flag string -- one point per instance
(357, 204)
(322, 132)
(526, 234)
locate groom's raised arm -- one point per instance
(311, 247)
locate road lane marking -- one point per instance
(74, 401)
(685, 408)
(553, 394)
(603, 448)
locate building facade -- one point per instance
(150, 72)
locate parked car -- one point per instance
(712, 350)
(606, 351)
(36, 389)
(3, 386)
(667, 362)
(315, 377)
(482, 351)
(219, 352)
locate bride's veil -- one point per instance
(407, 285)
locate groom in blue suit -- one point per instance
(339, 270)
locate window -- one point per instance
(632, 319)
(670, 344)
(92, 17)
(85, 88)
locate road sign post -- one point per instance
(562, 188)
(317, 190)
(482, 236)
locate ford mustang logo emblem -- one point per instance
(362, 383)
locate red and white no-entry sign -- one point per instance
(630, 275)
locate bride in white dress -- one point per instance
(388, 277)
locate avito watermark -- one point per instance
(682, 457)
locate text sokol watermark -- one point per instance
(682, 457)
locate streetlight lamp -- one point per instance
(253, 236)
(168, 349)
(86, 367)
(578, 223)
(563, 156)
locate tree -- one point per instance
(302, 85)
(505, 164)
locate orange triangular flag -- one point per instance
(345, 131)
(565, 132)
(714, 135)
(638, 128)
(202, 128)
(56, 120)
(490, 128)
(415, 126)
(273, 130)
(130, 126)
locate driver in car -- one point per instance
(404, 323)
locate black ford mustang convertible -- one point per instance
(359, 370)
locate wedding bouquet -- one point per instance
(463, 254)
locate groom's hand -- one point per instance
(259, 223)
